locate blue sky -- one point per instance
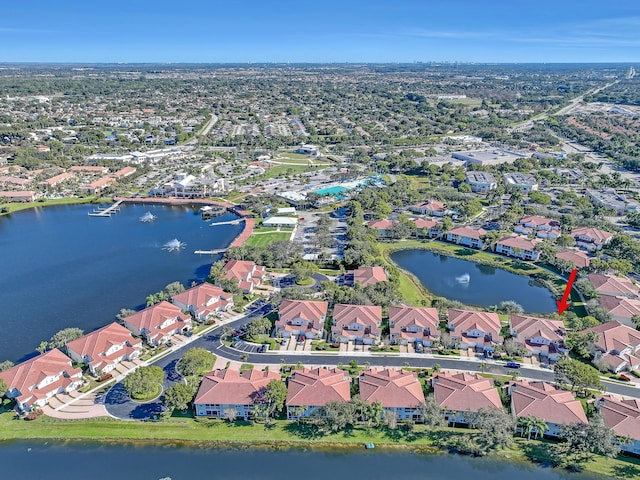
(320, 31)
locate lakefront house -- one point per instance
(309, 389)
(158, 323)
(399, 391)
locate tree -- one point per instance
(581, 342)
(497, 428)
(303, 270)
(510, 346)
(576, 374)
(337, 415)
(274, 396)
(509, 306)
(6, 365)
(124, 313)
(174, 288)
(216, 273)
(582, 441)
(64, 336)
(143, 381)
(3, 388)
(530, 424)
(565, 240)
(196, 362)
(178, 396)
(230, 414)
(432, 414)
(258, 326)
(636, 320)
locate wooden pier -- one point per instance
(210, 252)
(106, 212)
(230, 222)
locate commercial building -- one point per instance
(611, 200)
(524, 182)
(481, 182)
(494, 156)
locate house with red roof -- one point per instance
(34, 382)
(621, 309)
(427, 227)
(519, 247)
(467, 236)
(618, 345)
(433, 208)
(247, 274)
(557, 407)
(383, 226)
(18, 196)
(103, 349)
(312, 388)
(623, 417)
(541, 226)
(461, 393)
(365, 276)
(540, 336)
(360, 323)
(479, 330)
(158, 323)
(301, 317)
(614, 286)
(577, 257)
(203, 301)
(398, 391)
(225, 390)
(413, 325)
(589, 238)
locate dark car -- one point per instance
(512, 365)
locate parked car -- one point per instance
(512, 365)
(419, 347)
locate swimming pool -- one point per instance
(335, 190)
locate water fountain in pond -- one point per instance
(174, 245)
(463, 279)
(147, 217)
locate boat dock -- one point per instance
(106, 212)
(210, 252)
(230, 222)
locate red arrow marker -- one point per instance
(562, 304)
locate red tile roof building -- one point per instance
(301, 317)
(618, 345)
(413, 324)
(468, 236)
(427, 227)
(540, 336)
(590, 238)
(19, 196)
(247, 274)
(577, 257)
(357, 322)
(436, 209)
(158, 323)
(621, 309)
(542, 400)
(365, 276)
(623, 417)
(614, 286)
(225, 390)
(204, 301)
(308, 389)
(471, 328)
(463, 392)
(103, 349)
(34, 382)
(519, 247)
(382, 226)
(397, 390)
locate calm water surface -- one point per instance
(75, 461)
(472, 283)
(62, 268)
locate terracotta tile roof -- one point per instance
(612, 285)
(90, 169)
(614, 336)
(204, 298)
(316, 387)
(244, 271)
(622, 307)
(518, 241)
(382, 224)
(425, 223)
(231, 387)
(393, 388)
(433, 206)
(95, 344)
(124, 172)
(547, 402)
(539, 221)
(528, 328)
(469, 232)
(577, 257)
(622, 416)
(463, 392)
(369, 316)
(403, 318)
(26, 377)
(152, 318)
(596, 235)
(467, 320)
(369, 275)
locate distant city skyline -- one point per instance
(499, 31)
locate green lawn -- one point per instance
(16, 207)
(285, 170)
(267, 239)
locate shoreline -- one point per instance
(15, 207)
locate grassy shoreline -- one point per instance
(17, 207)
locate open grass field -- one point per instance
(286, 170)
(263, 240)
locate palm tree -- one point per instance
(526, 425)
(540, 426)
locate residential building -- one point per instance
(413, 325)
(34, 382)
(301, 317)
(103, 349)
(525, 182)
(473, 329)
(540, 336)
(427, 227)
(124, 173)
(398, 391)
(481, 182)
(467, 236)
(226, 392)
(589, 238)
(312, 388)
(621, 309)
(98, 186)
(614, 286)
(18, 196)
(247, 274)
(519, 247)
(360, 323)
(383, 226)
(577, 257)
(618, 345)
(91, 170)
(623, 417)
(611, 200)
(365, 276)
(158, 323)
(462, 393)
(56, 180)
(557, 407)
(433, 208)
(203, 301)
(541, 226)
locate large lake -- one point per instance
(35, 460)
(472, 283)
(62, 268)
